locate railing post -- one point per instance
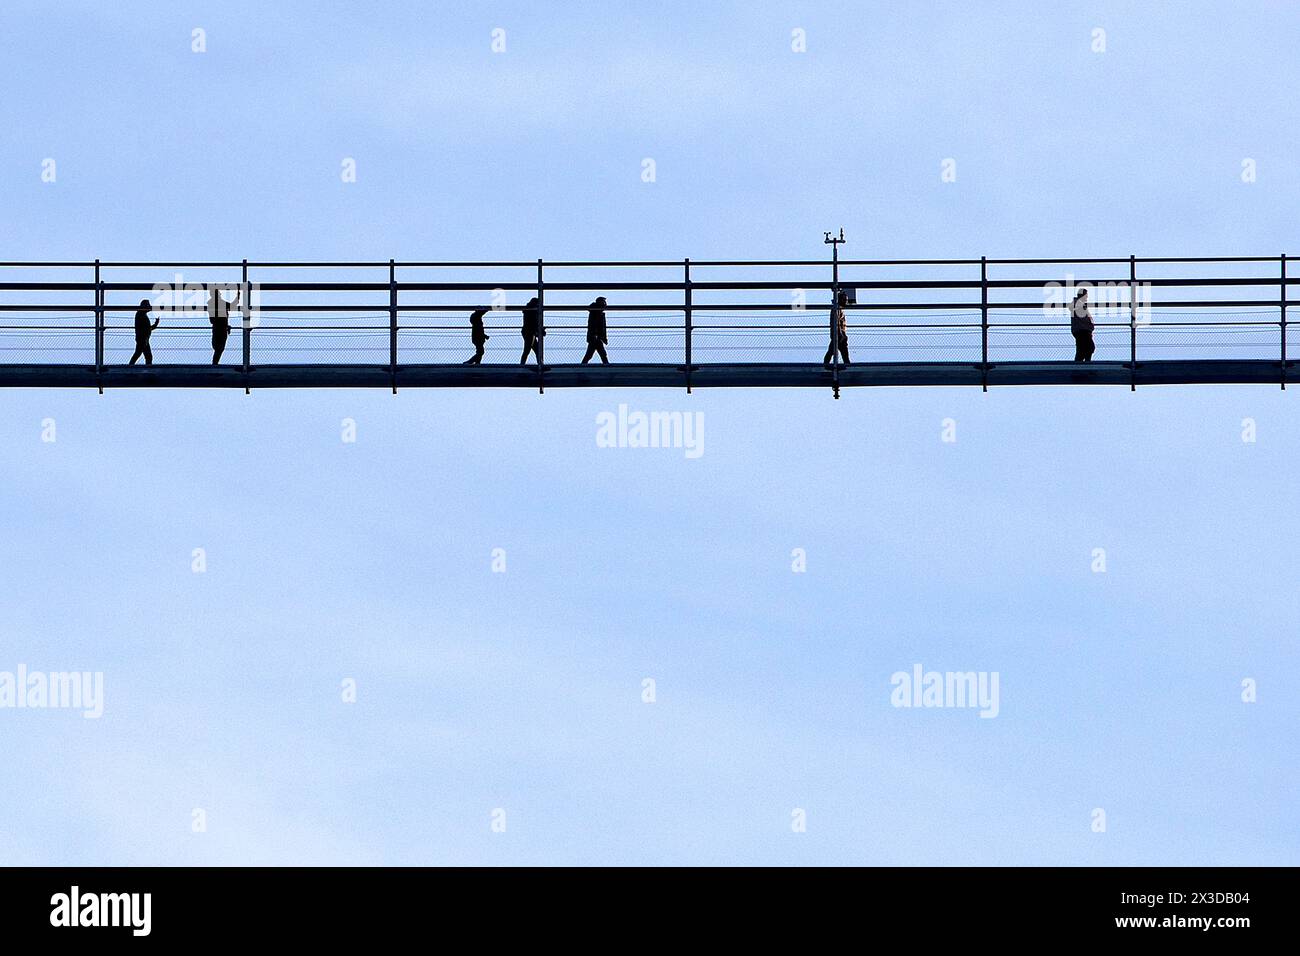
(835, 315)
(392, 321)
(541, 330)
(248, 327)
(1132, 323)
(686, 287)
(99, 330)
(984, 323)
(1282, 260)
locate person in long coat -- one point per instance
(597, 332)
(1081, 327)
(532, 330)
(841, 339)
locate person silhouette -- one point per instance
(532, 330)
(477, 336)
(597, 332)
(219, 316)
(841, 336)
(1081, 327)
(142, 332)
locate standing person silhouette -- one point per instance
(142, 332)
(841, 337)
(477, 336)
(597, 332)
(219, 316)
(532, 330)
(1081, 327)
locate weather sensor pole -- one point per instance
(835, 243)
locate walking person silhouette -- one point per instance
(1081, 327)
(477, 336)
(219, 316)
(142, 332)
(597, 332)
(841, 337)
(532, 330)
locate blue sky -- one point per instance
(522, 690)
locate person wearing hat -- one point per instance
(597, 332)
(142, 332)
(477, 336)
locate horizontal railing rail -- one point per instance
(580, 263)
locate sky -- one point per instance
(501, 716)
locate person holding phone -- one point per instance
(142, 332)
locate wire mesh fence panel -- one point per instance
(639, 345)
(1051, 343)
(1156, 342)
(949, 342)
(712, 345)
(171, 345)
(281, 346)
(811, 344)
(565, 342)
(47, 346)
(451, 346)
(1292, 338)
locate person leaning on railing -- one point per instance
(1081, 327)
(841, 337)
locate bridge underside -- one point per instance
(732, 375)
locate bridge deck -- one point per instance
(731, 375)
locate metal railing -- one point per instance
(691, 314)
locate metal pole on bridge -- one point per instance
(248, 328)
(984, 323)
(1132, 323)
(541, 330)
(686, 288)
(834, 243)
(392, 321)
(1282, 260)
(99, 330)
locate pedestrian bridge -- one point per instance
(673, 324)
